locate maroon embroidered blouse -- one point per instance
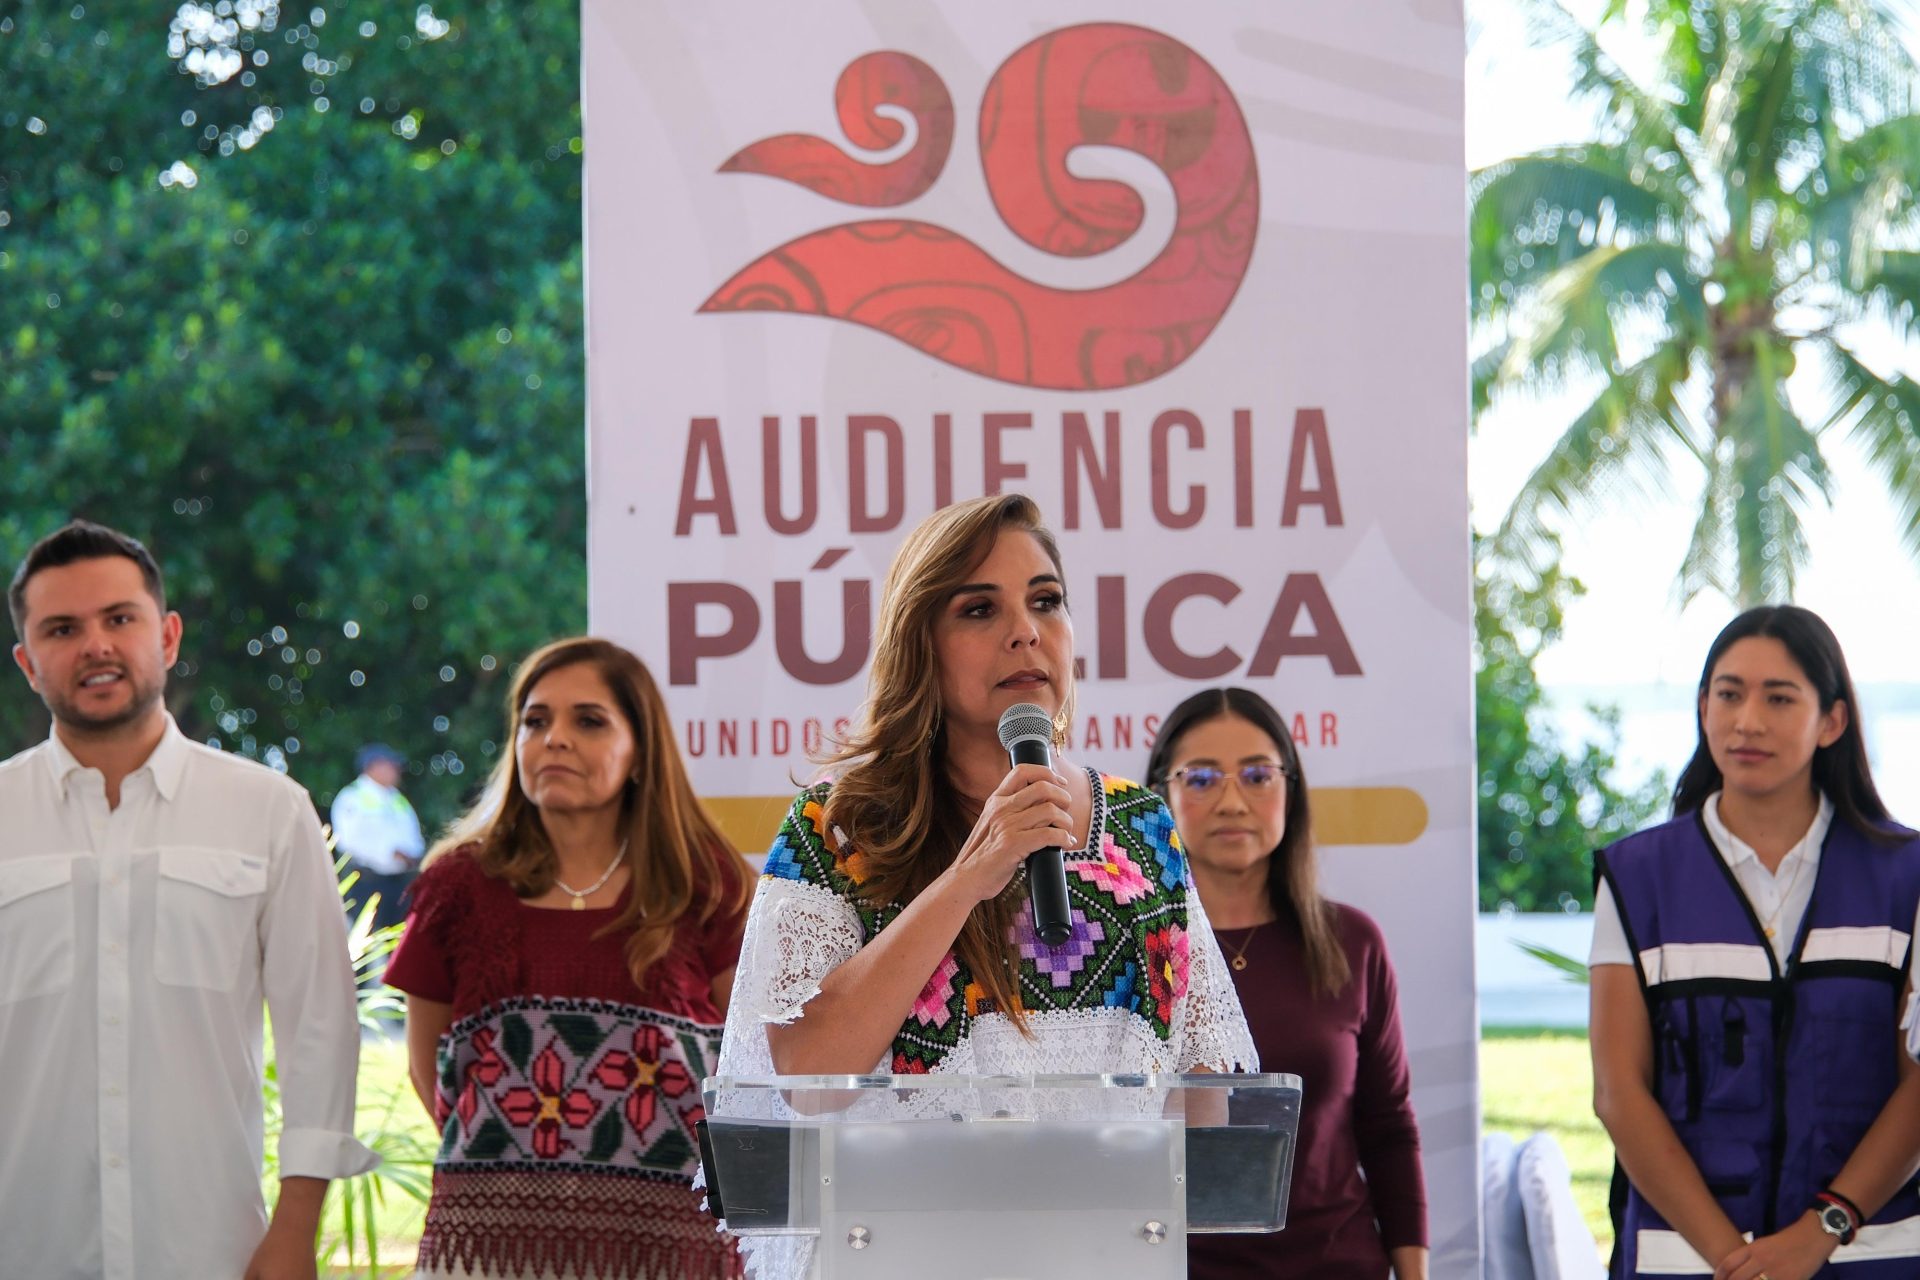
(1355, 1119)
(567, 1096)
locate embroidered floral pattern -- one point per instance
(483, 1071)
(548, 1106)
(1125, 991)
(1156, 825)
(1114, 874)
(933, 1007)
(612, 1087)
(646, 1076)
(1128, 948)
(1166, 967)
(1062, 962)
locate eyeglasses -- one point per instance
(1205, 780)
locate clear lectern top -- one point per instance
(1000, 1176)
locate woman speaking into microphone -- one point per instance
(892, 930)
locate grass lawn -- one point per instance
(1529, 1080)
(387, 1104)
(1533, 1080)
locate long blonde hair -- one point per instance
(894, 799)
(678, 860)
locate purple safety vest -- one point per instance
(1771, 1077)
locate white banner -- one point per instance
(1193, 277)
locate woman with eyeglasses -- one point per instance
(1319, 995)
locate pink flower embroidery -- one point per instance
(549, 1106)
(1114, 874)
(483, 1072)
(1167, 958)
(468, 1103)
(931, 1006)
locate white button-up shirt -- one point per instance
(1779, 897)
(137, 945)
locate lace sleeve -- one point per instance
(797, 933)
(1213, 1030)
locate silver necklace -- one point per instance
(580, 896)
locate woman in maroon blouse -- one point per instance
(1319, 995)
(567, 963)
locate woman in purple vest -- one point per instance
(1750, 963)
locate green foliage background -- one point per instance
(1544, 806)
(336, 384)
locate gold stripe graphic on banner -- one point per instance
(1367, 815)
(1341, 815)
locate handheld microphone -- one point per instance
(1026, 731)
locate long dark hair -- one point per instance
(680, 863)
(1840, 771)
(1293, 868)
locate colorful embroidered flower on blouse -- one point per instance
(1114, 873)
(979, 1003)
(1063, 961)
(1156, 824)
(1125, 991)
(644, 1075)
(783, 861)
(932, 1007)
(549, 1107)
(1166, 968)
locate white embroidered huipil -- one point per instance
(137, 945)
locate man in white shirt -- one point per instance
(154, 893)
(378, 831)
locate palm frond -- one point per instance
(1705, 566)
(1745, 103)
(1573, 970)
(1485, 370)
(1778, 465)
(1535, 215)
(1640, 121)
(1571, 322)
(1888, 292)
(1882, 413)
(1857, 53)
(1619, 439)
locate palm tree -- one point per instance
(1727, 225)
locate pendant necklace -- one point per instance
(1780, 907)
(1238, 960)
(580, 896)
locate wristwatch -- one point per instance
(1835, 1220)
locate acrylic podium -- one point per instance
(1032, 1177)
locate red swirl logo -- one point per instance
(1100, 84)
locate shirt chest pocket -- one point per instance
(36, 926)
(206, 916)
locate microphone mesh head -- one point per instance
(1024, 720)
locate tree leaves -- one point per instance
(1543, 808)
(1748, 205)
(290, 378)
